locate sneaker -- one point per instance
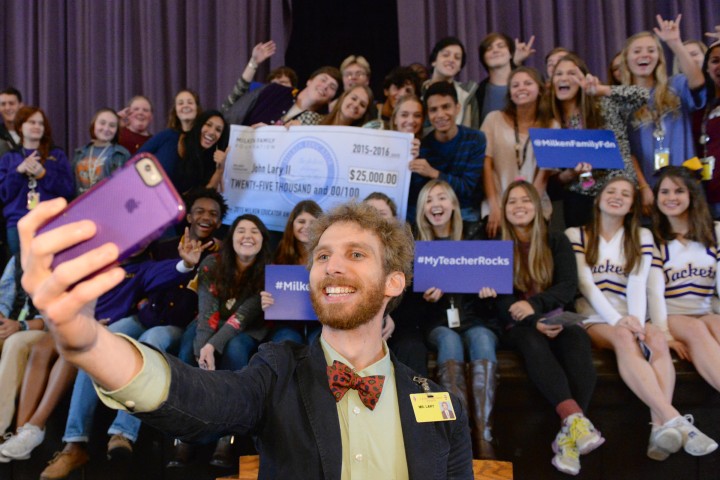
(19, 446)
(72, 457)
(119, 447)
(664, 440)
(581, 430)
(567, 457)
(693, 440)
(653, 450)
(5, 437)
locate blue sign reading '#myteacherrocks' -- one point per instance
(556, 148)
(464, 266)
(290, 288)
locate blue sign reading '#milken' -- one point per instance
(290, 288)
(464, 266)
(556, 148)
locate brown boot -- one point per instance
(182, 454)
(223, 455)
(72, 457)
(451, 375)
(483, 378)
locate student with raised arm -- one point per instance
(660, 133)
(135, 125)
(260, 52)
(307, 406)
(573, 95)
(499, 55)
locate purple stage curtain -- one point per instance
(72, 57)
(596, 29)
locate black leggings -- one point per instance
(561, 368)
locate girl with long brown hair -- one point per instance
(557, 358)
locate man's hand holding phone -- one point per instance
(69, 306)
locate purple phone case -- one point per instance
(127, 212)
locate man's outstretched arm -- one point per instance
(69, 309)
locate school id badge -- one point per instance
(662, 158)
(432, 407)
(708, 167)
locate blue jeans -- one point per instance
(235, 356)
(282, 334)
(237, 352)
(313, 332)
(84, 400)
(163, 338)
(186, 353)
(480, 342)
(13, 240)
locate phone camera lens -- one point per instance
(148, 168)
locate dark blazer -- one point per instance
(283, 399)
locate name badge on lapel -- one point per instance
(431, 406)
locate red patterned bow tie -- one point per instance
(341, 378)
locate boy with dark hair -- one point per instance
(451, 152)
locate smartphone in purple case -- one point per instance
(131, 208)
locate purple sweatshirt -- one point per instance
(58, 181)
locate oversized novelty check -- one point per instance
(269, 170)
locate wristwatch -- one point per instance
(23, 325)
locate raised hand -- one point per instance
(669, 30)
(219, 157)
(523, 50)
(67, 306)
(67, 300)
(263, 51)
(715, 34)
(191, 250)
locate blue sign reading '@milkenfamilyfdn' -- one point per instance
(556, 148)
(290, 288)
(464, 266)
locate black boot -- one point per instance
(451, 375)
(182, 454)
(223, 455)
(483, 378)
